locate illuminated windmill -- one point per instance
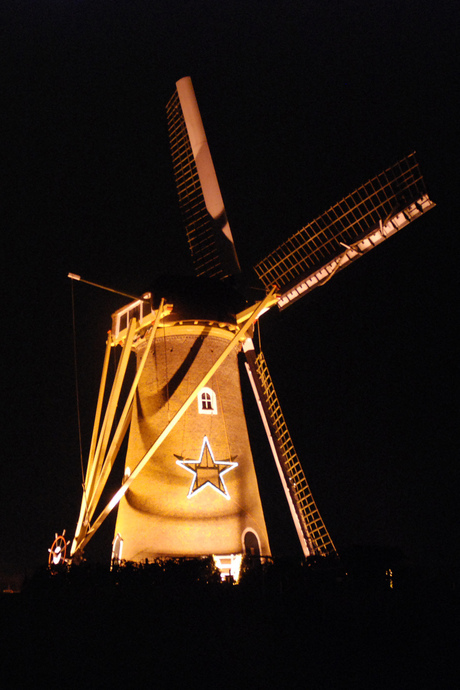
(189, 486)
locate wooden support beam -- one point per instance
(124, 421)
(111, 410)
(95, 461)
(97, 420)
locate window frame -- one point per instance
(207, 397)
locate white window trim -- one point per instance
(212, 399)
(243, 537)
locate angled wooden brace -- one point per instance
(124, 421)
(98, 467)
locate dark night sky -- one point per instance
(302, 102)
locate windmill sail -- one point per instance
(311, 530)
(208, 232)
(349, 229)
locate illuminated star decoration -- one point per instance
(207, 472)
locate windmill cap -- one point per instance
(200, 299)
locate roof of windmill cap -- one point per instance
(198, 298)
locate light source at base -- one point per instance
(229, 565)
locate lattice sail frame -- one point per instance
(312, 524)
(208, 232)
(349, 229)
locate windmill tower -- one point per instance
(189, 484)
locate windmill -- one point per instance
(189, 485)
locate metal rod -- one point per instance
(74, 276)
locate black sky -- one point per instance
(302, 102)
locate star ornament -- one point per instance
(206, 471)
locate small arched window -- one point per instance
(251, 543)
(207, 401)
